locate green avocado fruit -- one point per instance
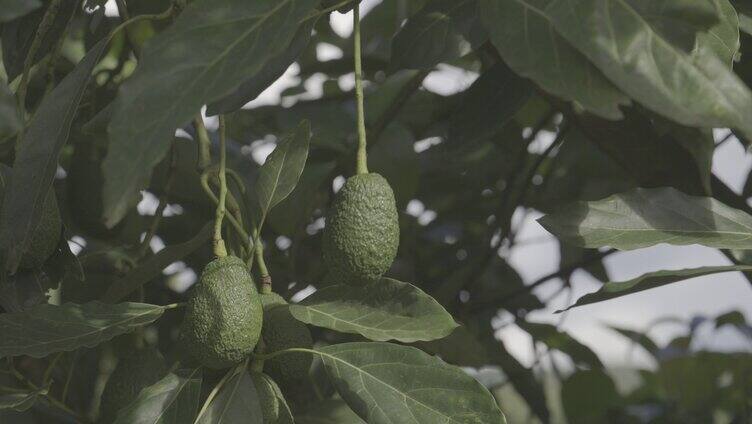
(136, 370)
(46, 236)
(282, 331)
(361, 236)
(223, 319)
(273, 408)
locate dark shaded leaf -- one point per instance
(21, 402)
(37, 157)
(173, 399)
(327, 412)
(47, 329)
(641, 339)
(236, 402)
(153, 266)
(589, 396)
(210, 50)
(296, 209)
(612, 290)
(459, 348)
(560, 340)
(12, 9)
(389, 384)
(384, 309)
(10, 122)
(646, 217)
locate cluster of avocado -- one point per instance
(46, 236)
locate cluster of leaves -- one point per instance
(631, 89)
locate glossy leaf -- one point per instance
(172, 400)
(614, 289)
(236, 402)
(10, 123)
(525, 37)
(12, 9)
(434, 35)
(154, 265)
(210, 50)
(646, 217)
(274, 69)
(384, 309)
(280, 173)
(47, 329)
(20, 402)
(37, 158)
(389, 384)
(648, 58)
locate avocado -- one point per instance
(46, 236)
(282, 331)
(273, 408)
(136, 370)
(223, 318)
(362, 229)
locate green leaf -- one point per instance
(588, 396)
(210, 50)
(651, 280)
(381, 310)
(646, 217)
(236, 402)
(641, 339)
(560, 340)
(274, 69)
(386, 383)
(492, 100)
(295, 211)
(723, 38)
(459, 348)
(9, 120)
(434, 35)
(173, 399)
(154, 265)
(47, 329)
(12, 9)
(280, 173)
(643, 46)
(524, 35)
(280, 409)
(36, 159)
(328, 411)
(21, 402)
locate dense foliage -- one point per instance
(317, 295)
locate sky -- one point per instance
(537, 254)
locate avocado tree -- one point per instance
(175, 247)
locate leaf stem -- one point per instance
(362, 159)
(154, 226)
(235, 222)
(204, 144)
(266, 279)
(219, 244)
(44, 26)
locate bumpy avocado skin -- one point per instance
(223, 319)
(136, 370)
(282, 331)
(46, 235)
(362, 229)
(44, 238)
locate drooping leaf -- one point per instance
(280, 173)
(651, 280)
(210, 50)
(649, 57)
(328, 411)
(381, 310)
(434, 35)
(9, 119)
(560, 340)
(236, 402)
(386, 383)
(37, 157)
(525, 37)
(12, 9)
(47, 329)
(20, 402)
(154, 265)
(173, 399)
(274, 69)
(492, 100)
(646, 217)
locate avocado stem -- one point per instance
(266, 279)
(219, 244)
(361, 160)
